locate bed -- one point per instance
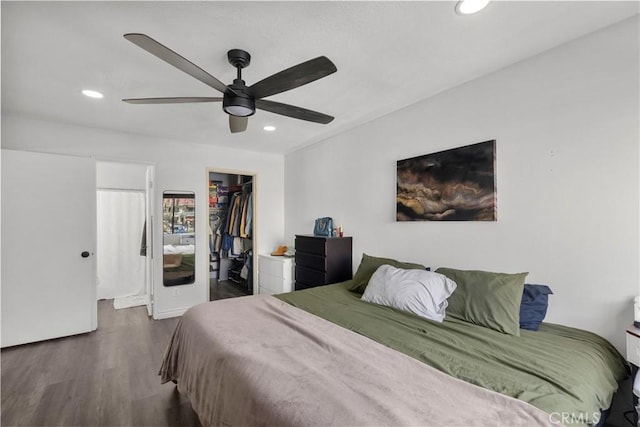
(322, 356)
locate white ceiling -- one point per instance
(388, 54)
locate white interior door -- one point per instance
(48, 244)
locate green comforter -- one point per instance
(569, 373)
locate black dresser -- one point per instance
(322, 260)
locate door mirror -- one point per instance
(178, 238)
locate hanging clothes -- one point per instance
(227, 220)
(227, 243)
(237, 246)
(217, 219)
(234, 223)
(237, 225)
(238, 214)
(243, 217)
(247, 227)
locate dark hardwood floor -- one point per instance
(104, 378)
(222, 289)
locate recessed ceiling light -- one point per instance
(92, 93)
(467, 7)
(269, 128)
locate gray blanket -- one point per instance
(259, 361)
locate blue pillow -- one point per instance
(533, 307)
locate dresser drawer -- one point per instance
(315, 262)
(310, 276)
(276, 266)
(274, 285)
(301, 286)
(633, 348)
(311, 245)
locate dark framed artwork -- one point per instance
(451, 185)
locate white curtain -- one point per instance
(120, 268)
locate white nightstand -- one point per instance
(633, 345)
(275, 274)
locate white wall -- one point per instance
(566, 124)
(125, 176)
(178, 166)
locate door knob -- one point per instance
(85, 254)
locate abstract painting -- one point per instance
(451, 185)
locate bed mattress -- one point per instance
(569, 373)
(259, 361)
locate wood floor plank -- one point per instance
(166, 408)
(105, 378)
(57, 406)
(222, 289)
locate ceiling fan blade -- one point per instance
(238, 124)
(175, 100)
(293, 111)
(293, 77)
(171, 57)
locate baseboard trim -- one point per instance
(169, 313)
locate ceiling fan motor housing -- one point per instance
(238, 102)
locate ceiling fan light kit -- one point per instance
(240, 101)
(469, 7)
(235, 107)
(238, 105)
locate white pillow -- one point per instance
(420, 292)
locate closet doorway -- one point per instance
(231, 233)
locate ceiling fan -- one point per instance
(240, 101)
